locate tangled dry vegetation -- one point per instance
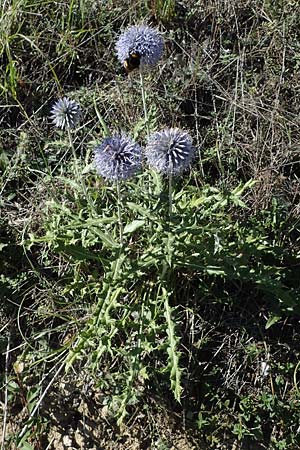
(230, 76)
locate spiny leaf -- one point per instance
(133, 226)
(173, 353)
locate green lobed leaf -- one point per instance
(133, 226)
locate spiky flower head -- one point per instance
(118, 158)
(65, 113)
(141, 40)
(170, 151)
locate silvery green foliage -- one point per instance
(118, 158)
(65, 113)
(170, 151)
(141, 39)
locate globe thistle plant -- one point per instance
(118, 158)
(141, 42)
(65, 113)
(170, 151)
(139, 47)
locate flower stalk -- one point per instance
(120, 222)
(118, 158)
(144, 103)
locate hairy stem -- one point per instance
(119, 212)
(73, 153)
(170, 197)
(144, 103)
(79, 178)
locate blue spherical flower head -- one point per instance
(170, 151)
(65, 113)
(118, 158)
(141, 42)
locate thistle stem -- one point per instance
(144, 103)
(119, 212)
(147, 126)
(77, 171)
(170, 250)
(170, 196)
(73, 152)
